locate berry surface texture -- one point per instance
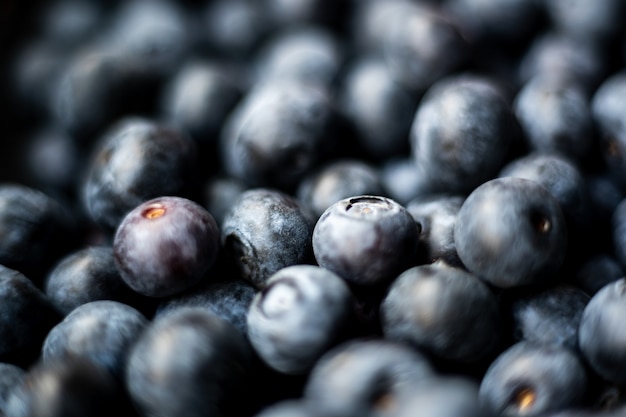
(313, 208)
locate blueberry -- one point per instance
(601, 334)
(35, 71)
(509, 22)
(600, 21)
(511, 232)
(422, 46)
(291, 408)
(35, 230)
(435, 217)
(219, 195)
(598, 271)
(550, 316)
(165, 246)
(461, 132)
(70, 23)
(54, 162)
(154, 32)
(230, 300)
(447, 396)
(233, 29)
(606, 103)
(608, 110)
(137, 159)
(88, 274)
(101, 331)
(364, 376)
(403, 181)
(584, 412)
(190, 363)
(300, 313)
(10, 377)
(380, 108)
(372, 20)
(338, 180)
(304, 54)
(277, 133)
(530, 380)
(443, 310)
(198, 97)
(605, 193)
(26, 317)
(74, 387)
(95, 88)
(565, 58)
(365, 239)
(266, 230)
(556, 117)
(618, 222)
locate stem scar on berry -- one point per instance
(540, 222)
(385, 402)
(524, 398)
(153, 212)
(612, 148)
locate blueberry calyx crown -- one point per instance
(368, 205)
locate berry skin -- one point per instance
(307, 54)
(565, 58)
(165, 245)
(561, 177)
(435, 216)
(72, 387)
(10, 376)
(422, 46)
(35, 230)
(444, 395)
(264, 231)
(26, 317)
(86, 275)
(582, 20)
(188, 363)
(556, 117)
(379, 108)
(550, 316)
(608, 111)
(292, 408)
(598, 271)
(618, 232)
(229, 300)
(601, 334)
(198, 97)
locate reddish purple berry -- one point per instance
(165, 246)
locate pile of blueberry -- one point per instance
(313, 208)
